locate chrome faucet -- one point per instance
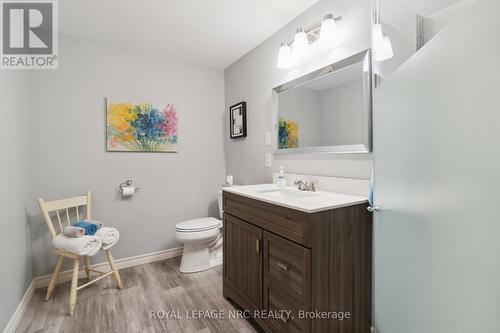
(305, 186)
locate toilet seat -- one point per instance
(198, 225)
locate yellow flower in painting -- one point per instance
(293, 134)
(127, 137)
(144, 106)
(120, 116)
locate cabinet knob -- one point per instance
(257, 245)
(372, 209)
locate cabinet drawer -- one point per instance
(289, 223)
(278, 300)
(288, 263)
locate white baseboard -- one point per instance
(64, 276)
(21, 308)
(43, 281)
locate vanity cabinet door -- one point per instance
(243, 261)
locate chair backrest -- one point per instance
(67, 206)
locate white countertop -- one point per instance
(287, 196)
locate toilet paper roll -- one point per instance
(128, 191)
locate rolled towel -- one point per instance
(73, 232)
(90, 228)
(82, 246)
(109, 237)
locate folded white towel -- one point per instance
(109, 237)
(82, 246)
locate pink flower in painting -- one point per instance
(170, 121)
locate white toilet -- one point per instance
(202, 239)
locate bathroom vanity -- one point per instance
(305, 252)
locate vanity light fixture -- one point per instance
(285, 58)
(377, 33)
(300, 44)
(383, 50)
(382, 47)
(290, 52)
(328, 32)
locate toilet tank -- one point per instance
(219, 201)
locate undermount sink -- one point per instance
(288, 193)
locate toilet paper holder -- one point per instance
(128, 183)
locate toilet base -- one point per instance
(199, 257)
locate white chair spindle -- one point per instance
(59, 220)
(67, 217)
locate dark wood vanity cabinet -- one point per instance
(311, 264)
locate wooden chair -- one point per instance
(66, 205)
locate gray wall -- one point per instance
(69, 155)
(15, 128)
(252, 77)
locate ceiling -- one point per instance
(427, 7)
(213, 33)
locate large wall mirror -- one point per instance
(327, 111)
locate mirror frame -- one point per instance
(366, 145)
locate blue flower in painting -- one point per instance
(282, 135)
(148, 124)
(172, 139)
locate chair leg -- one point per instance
(116, 274)
(87, 266)
(74, 285)
(54, 277)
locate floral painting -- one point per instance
(288, 134)
(141, 126)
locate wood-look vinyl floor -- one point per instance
(158, 286)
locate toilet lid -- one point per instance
(201, 224)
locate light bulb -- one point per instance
(328, 32)
(300, 44)
(383, 50)
(285, 59)
(377, 34)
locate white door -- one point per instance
(437, 183)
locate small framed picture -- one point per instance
(238, 120)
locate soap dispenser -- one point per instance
(281, 180)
